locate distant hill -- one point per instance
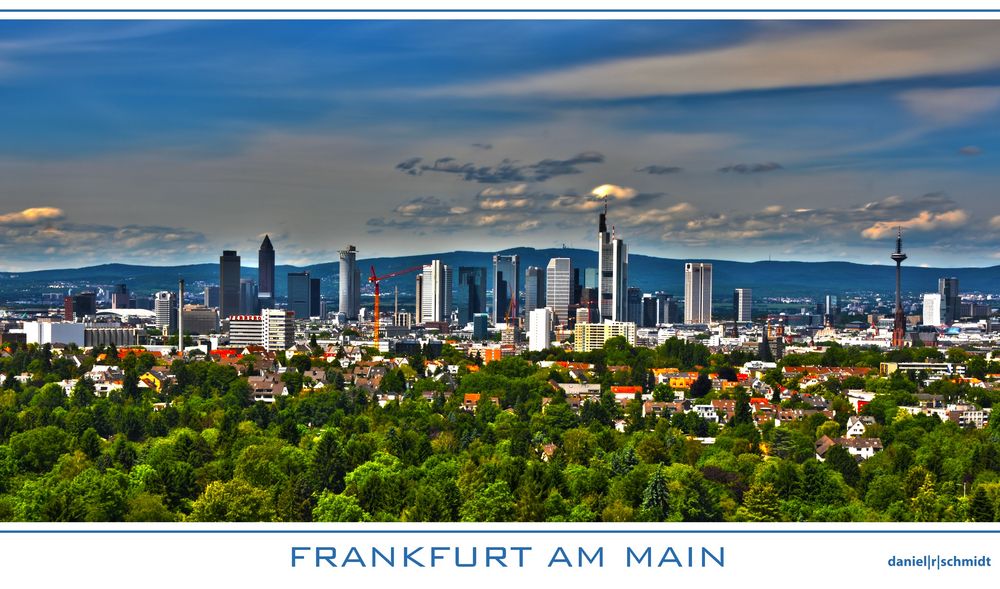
(770, 278)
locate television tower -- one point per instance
(899, 320)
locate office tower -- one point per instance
(577, 286)
(480, 326)
(249, 299)
(741, 305)
(180, 316)
(633, 305)
(506, 286)
(582, 315)
(831, 309)
(590, 278)
(435, 306)
(899, 317)
(324, 308)
(119, 297)
(559, 289)
(212, 296)
(246, 330)
(658, 308)
(471, 293)
(697, 292)
(418, 310)
(612, 263)
(229, 283)
(314, 296)
(950, 300)
(534, 288)
(349, 301)
(200, 320)
(277, 329)
(299, 289)
(165, 307)
(79, 305)
(933, 309)
(540, 327)
(265, 275)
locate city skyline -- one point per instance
(707, 137)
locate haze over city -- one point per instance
(166, 142)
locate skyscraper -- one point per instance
(831, 309)
(540, 323)
(741, 304)
(658, 308)
(299, 290)
(436, 285)
(229, 283)
(418, 307)
(534, 289)
(314, 296)
(633, 305)
(899, 317)
(471, 293)
(559, 289)
(933, 314)
(249, 297)
(119, 297)
(277, 330)
(165, 307)
(265, 274)
(697, 292)
(349, 301)
(212, 296)
(951, 302)
(612, 265)
(506, 285)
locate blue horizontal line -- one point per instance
(571, 531)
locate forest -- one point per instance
(201, 450)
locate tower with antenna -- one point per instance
(899, 319)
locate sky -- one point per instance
(164, 142)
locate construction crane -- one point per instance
(377, 280)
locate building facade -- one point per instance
(506, 286)
(265, 275)
(299, 294)
(471, 293)
(229, 283)
(559, 289)
(612, 266)
(534, 289)
(435, 306)
(540, 323)
(742, 305)
(588, 337)
(697, 292)
(349, 300)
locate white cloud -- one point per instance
(614, 191)
(857, 53)
(924, 221)
(31, 216)
(951, 105)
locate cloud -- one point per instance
(512, 190)
(995, 222)
(484, 146)
(614, 192)
(841, 54)
(971, 150)
(924, 221)
(506, 171)
(659, 170)
(952, 105)
(32, 216)
(751, 168)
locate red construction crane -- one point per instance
(377, 280)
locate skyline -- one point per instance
(163, 143)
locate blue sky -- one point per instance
(167, 141)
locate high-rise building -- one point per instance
(249, 299)
(200, 320)
(418, 308)
(950, 300)
(229, 283)
(612, 263)
(165, 307)
(349, 301)
(299, 290)
(79, 305)
(471, 293)
(831, 309)
(534, 288)
(559, 289)
(245, 330)
(899, 316)
(265, 275)
(933, 309)
(480, 326)
(314, 296)
(506, 286)
(277, 330)
(590, 278)
(436, 304)
(697, 292)
(658, 308)
(540, 327)
(741, 305)
(212, 296)
(634, 305)
(119, 297)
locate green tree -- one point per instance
(233, 501)
(333, 507)
(761, 504)
(656, 498)
(495, 503)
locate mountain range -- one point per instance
(766, 278)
